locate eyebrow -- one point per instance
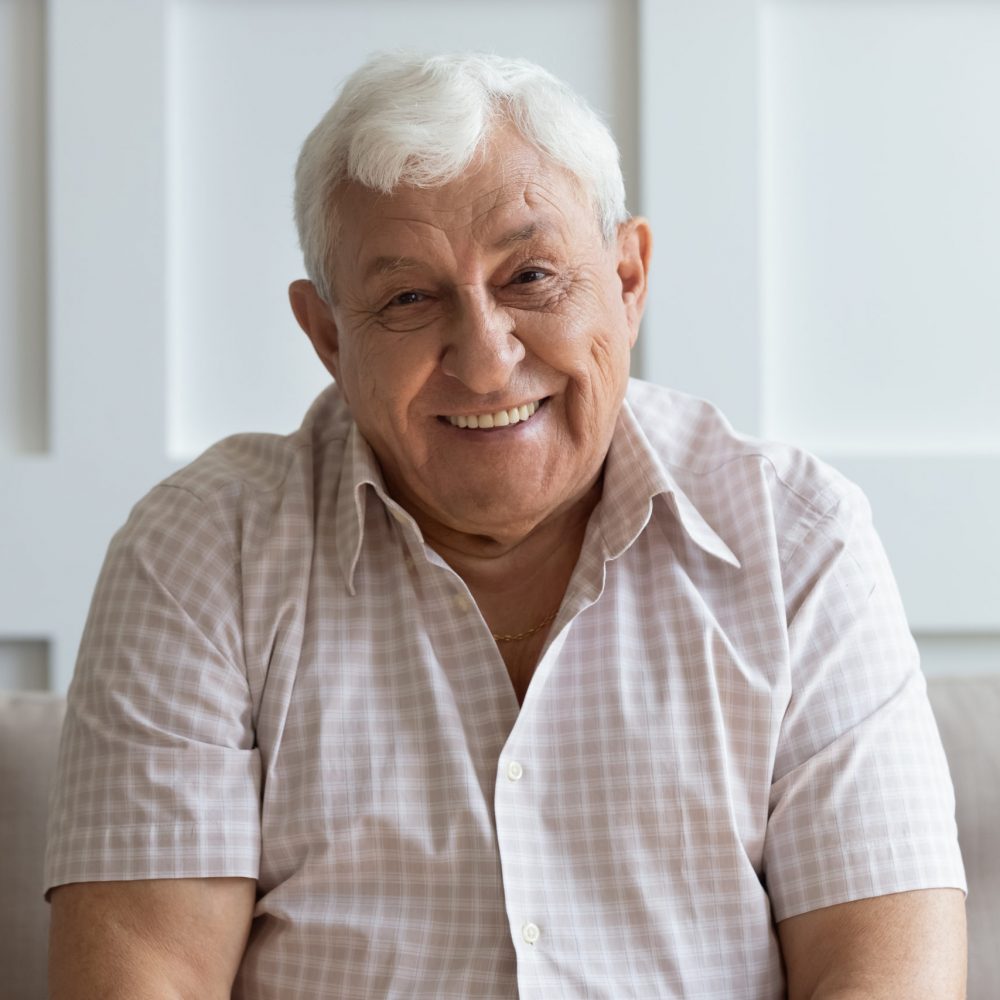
(389, 265)
(386, 265)
(522, 235)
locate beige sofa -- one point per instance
(968, 714)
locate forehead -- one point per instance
(509, 190)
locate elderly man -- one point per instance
(502, 676)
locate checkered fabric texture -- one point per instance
(728, 726)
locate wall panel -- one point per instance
(957, 654)
(23, 326)
(821, 176)
(882, 225)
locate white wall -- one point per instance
(820, 175)
(825, 179)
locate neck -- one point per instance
(491, 561)
(518, 585)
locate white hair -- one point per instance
(408, 119)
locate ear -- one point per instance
(316, 319)
(635, 247)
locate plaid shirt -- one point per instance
(727, 727)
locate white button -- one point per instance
(462, 602)
(514, 771)
(530, 933)
(399, 515)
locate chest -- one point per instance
(404, 783)
(410, 714)
(521, 660)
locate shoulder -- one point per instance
(737, 480)
(258, 465)
(247, 496)
(254, 472)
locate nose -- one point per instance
(482, 349)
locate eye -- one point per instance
(409, 298)
(529, 276)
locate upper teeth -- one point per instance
(502, 418)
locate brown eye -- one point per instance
(406, 299)
(529, 276)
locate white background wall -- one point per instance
(822, 177)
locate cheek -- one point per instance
(387, 373)
(609, 343)
(369, 367)
(592, 348)
(593, 352)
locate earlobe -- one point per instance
(316, 319)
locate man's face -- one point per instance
(492, 301)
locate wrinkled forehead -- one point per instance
(506, 178)
(509, 193)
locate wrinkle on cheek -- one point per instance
(605, 360)
(605, 375)
(360, 362)
(365, 355)
(595, 381)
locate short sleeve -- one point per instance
(861, 803)
(159, 775)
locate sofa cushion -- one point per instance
(968, 717)
(29, 741)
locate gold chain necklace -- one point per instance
(547, 620)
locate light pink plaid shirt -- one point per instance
(728, 725)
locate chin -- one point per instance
(487, 516)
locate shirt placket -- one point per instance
(523, 780)
(521, 777)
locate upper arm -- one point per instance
(861, 840)
(861, 802)
(159, 773)
(154, 829)
(909, 944)
(164, 937)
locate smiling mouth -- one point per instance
(502, 418)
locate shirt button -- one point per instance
(530, 933)
(399, 515)
(462, 602)
(515, 772)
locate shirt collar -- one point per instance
(360, 474)
(633, 477)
